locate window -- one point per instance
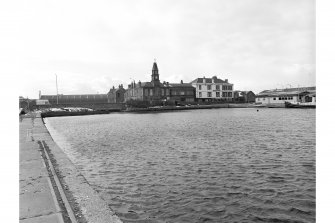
(274, 99)
(263, 99)
(217, 93)
(224, 94)
(162, 91)
(199, 87)
(209, 94)
(229, 87)
(151, 93)
(200, 95)
(167, 92)
(229, 94)
(224, 87)
(217, 87)
(209, 87)
(182, 93)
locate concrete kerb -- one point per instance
(83, 199)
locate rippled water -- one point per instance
(219, 165)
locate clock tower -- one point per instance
(155, 75)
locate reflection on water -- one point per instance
(221, 165)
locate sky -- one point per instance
(94, 45)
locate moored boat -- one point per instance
(299, 105)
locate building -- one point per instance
(213, 89)
(75, 99)
(157, 93)
(116, 95)
(42, 102)
(278, 97)
(244, 96)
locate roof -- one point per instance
(74, 96)
(283, 93)
(154, 67)
(246, 92)
(209, 80)
(180, 85)
(164, 84)
(300, 89)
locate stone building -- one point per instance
(244, 96)
(116, 95)
(157, 93)
(213, 89)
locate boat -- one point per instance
(299, 105)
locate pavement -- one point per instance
(39, 196)
(38, 202)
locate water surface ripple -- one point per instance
(221, 165)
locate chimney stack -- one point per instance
(181, 81)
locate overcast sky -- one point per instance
(93, 45)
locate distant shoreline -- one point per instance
(150, 109)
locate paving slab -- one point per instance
(32, 169)
(52, 218)
(36, 199)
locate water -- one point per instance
(219, 165)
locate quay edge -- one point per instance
(84, 200)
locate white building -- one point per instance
(213, 89)
(278, 97)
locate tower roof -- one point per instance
(155, 66)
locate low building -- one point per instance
(157, 93)
(213, 89)
(42, 102)
(116, 95)
(278, 97)
(75, 99)
(244, 96)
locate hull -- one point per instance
(301, 105)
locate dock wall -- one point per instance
(78, 191)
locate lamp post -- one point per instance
(57, 88)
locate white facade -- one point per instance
(213, 88)
(278, 98)
(42, 102)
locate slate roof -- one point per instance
(154, 67)
(301, 89)
(60, 96)
(283, 93)
(208, 80)
(180, 85)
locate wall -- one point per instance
(270, 100)
(95, 106)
